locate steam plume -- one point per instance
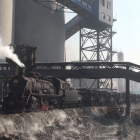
(7, 51)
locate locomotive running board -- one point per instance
(46, 95)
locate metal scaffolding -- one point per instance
(96, 45)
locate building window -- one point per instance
(103, 15)
(102, 2)
(108, 18)
(108, 5)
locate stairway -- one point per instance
(73, 26)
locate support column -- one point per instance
(96, 45)
(98, 54)
(111, 55)
(127, 96)
(80, 80)
(1, 92)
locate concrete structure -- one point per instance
(41, 27)
(121, 82)
(6, 12)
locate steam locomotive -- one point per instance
(28, 91)
(34, 93)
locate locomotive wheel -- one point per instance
(23, 110)
(58, 104)
(33, 107)
(45, 106)
(79, 104)
(91, 102)
(119, 115)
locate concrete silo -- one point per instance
(38, 26)
(6, 12)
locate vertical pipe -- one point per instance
(127, 96)
(80, 43)
(98, 53)
(111, 44)
(98, 45)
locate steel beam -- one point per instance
(91, 73)
(127, 95)
(127, 98)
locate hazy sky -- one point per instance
(127, 26)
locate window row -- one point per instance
(108, 17)
(103, 4)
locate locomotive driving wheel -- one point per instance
(45, 105)
(34, 106)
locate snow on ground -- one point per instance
(70, 124)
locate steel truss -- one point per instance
(96, 45)
(57, 6)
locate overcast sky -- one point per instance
(127, 26)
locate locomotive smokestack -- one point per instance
(21, 71)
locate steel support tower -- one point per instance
(96, 45)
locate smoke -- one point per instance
(7, 51)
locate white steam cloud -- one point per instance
(7, 51)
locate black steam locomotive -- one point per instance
(29, 91)
(34, 93)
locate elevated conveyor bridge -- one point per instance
(91, 70)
